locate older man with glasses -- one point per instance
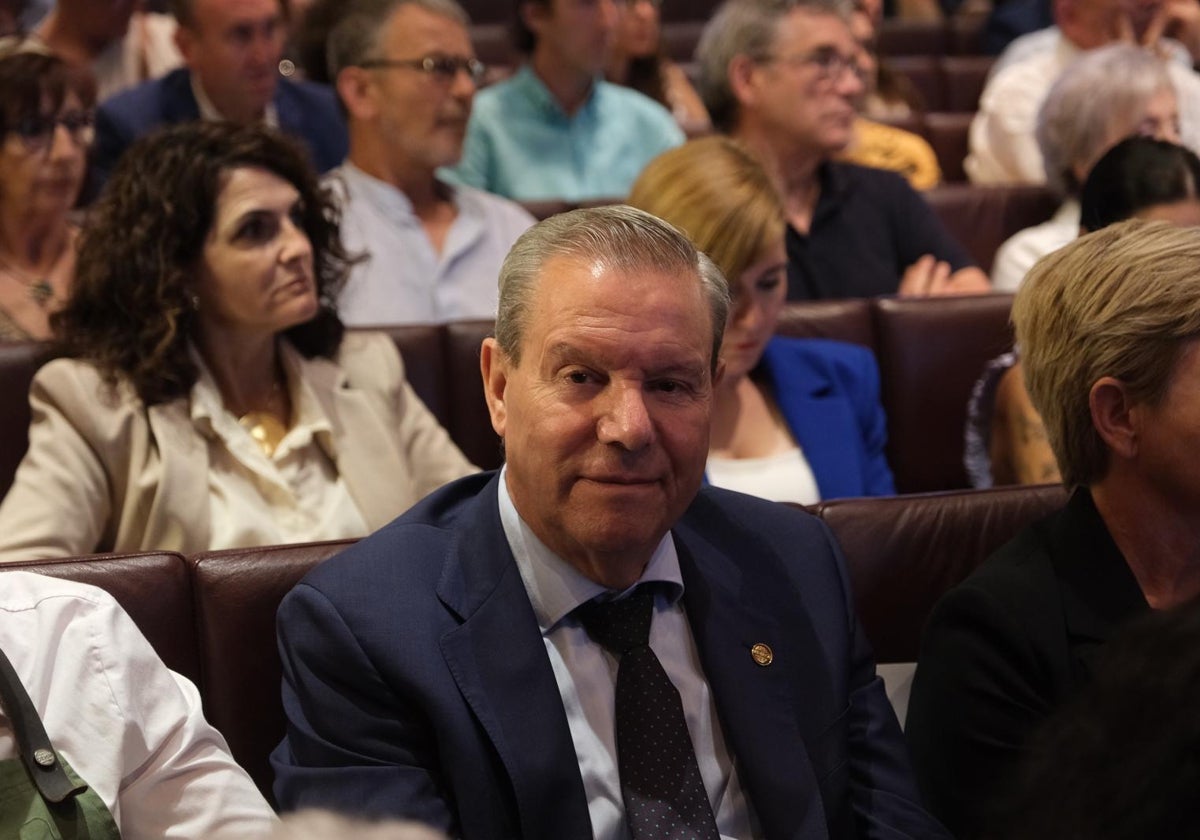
(406, 75)
(782, 77)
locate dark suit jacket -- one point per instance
(306, 111)
(828, 393)
(416, 682)
(1004, 649)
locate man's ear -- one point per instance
(741, 72)
(494, 366)
(185, 42)
(1114, 416)
(533, 15)
(357, 93)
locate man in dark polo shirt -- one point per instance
(782, 78)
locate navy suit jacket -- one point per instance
(828, 393)
(306, 111)
(416, 681)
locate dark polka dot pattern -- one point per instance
(660, 780)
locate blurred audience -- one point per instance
(406, 76)
(1109, 331)
(97, 737)
(123, 45)
(46, 128)
(1118, 762)
(796, 420)
(210, 399)
(1108, 94)
(231, 49)
(879, 144)
(784, 79)
(1003, 144)
(637, 60)
(1138, 178)
(556, 129)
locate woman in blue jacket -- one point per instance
(795, 420)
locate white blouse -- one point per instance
(295, 495)
(783, 477)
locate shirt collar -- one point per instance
(556, 588)
(208, 111)
(543, 100)
(391, 201)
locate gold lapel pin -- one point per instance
(762, 654)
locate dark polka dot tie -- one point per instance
(660, 780)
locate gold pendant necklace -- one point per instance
(267, 430)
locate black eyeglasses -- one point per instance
(37, 132)
(444, 68)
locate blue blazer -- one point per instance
(416, 682)
(306, 111)
(828, 392)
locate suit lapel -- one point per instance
(769, 714)
(498, 659)
(183, 477)
(376, 481)
(179, 102)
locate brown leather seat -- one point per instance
(905, 37)
(931, 351)
(925, 73)
(237, 594)
(981, 218)
(470, 424)
(842, 320)
(965, 76)
(947, 133)
(904, 552)
(154, 588)
(19, 361)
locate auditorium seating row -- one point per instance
(491, 33)
(211, 616)
(930, 353)
(945, 82)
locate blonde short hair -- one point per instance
(1118, 302)
(716, 192)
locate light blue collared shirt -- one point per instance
(521, 144)
(403, 280)
(586, 675)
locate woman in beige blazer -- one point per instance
(209, 398)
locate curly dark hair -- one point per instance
(131, 309)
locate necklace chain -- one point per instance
(39, 289)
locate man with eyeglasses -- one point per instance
(231, 51)
(406, 74)
(556, 129)
(781, 76)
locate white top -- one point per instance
(146, 52)
(1003, 148)
(1025, 247)
(783, 477)
(296, 495)
(132, 729)
(404, 280)
(586, 675)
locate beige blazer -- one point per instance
(104, 473)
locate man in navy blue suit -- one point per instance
(440, 669)
(231, 49)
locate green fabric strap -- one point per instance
(25, 815)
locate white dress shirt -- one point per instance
(1003, 148)
(586, 675)
(1025, 247)
(403, 279)
(130, 728)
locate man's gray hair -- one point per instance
(1103, 89)
(621, 238)
(744, 27)
(359, 31)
